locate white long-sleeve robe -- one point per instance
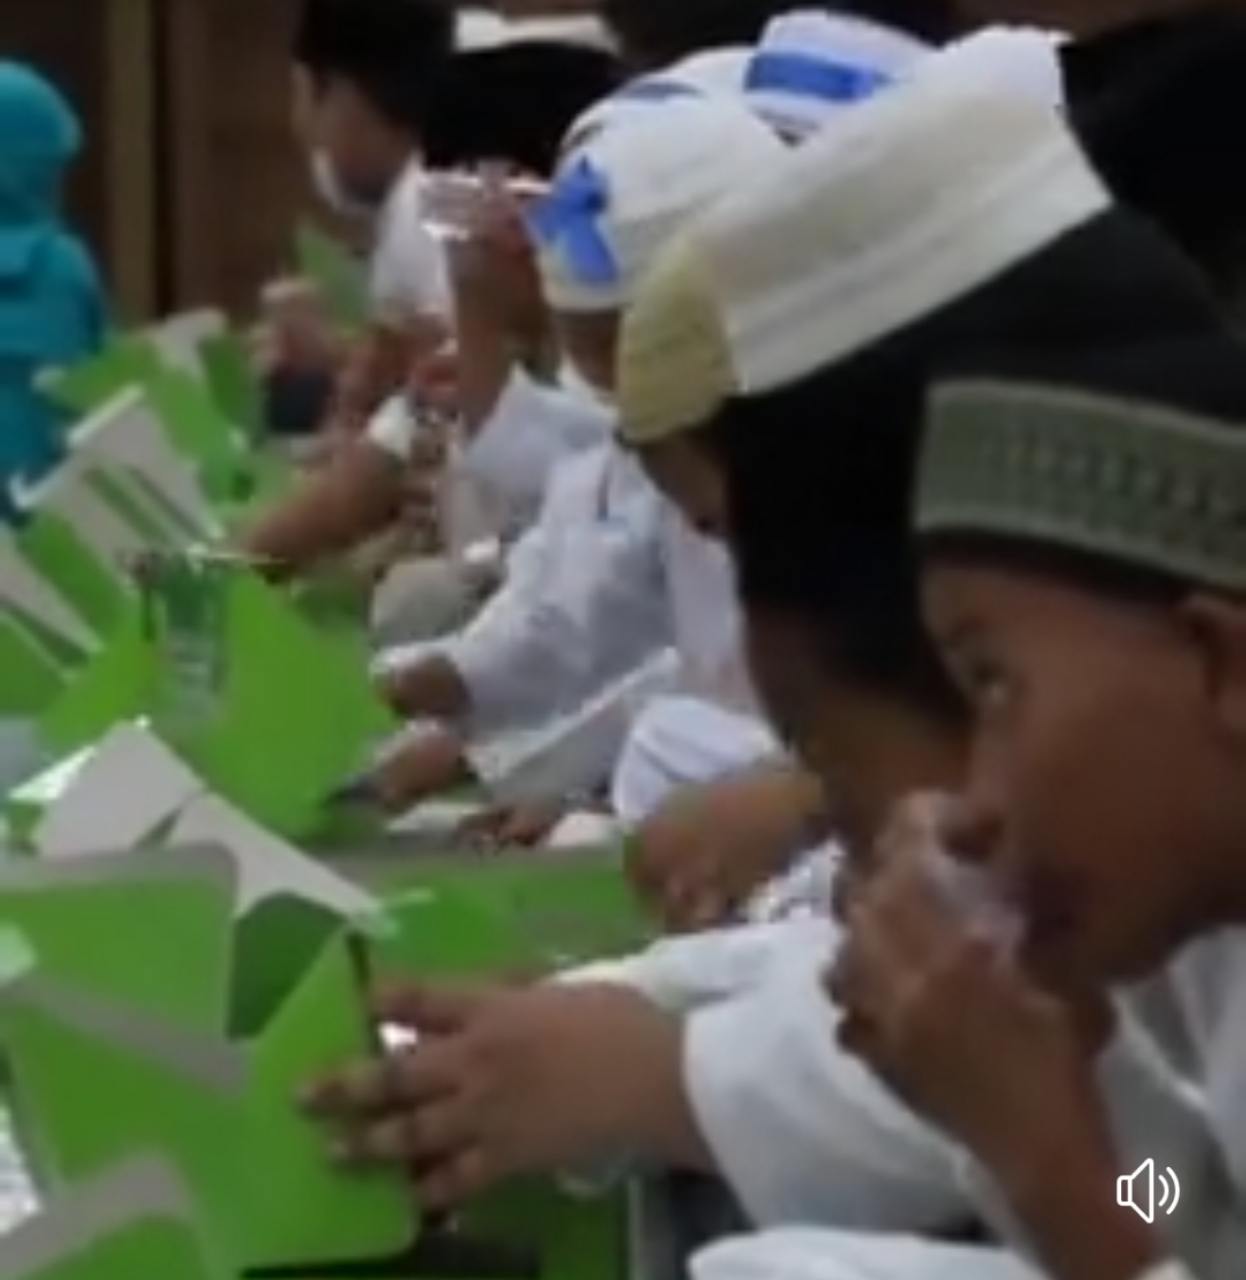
(1195, 1125)
(799, 1130)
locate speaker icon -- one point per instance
(1136, 1191)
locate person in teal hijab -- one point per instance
(52, 309)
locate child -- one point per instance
(1133, 99)
(637, 577)
(469, 119)
(824, 638)
(363, 76)
(560, 662)
(1094, 625)
(364, 71)
(51, 303)
(869, 492)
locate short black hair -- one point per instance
(514, 103)
(391, 50)
(820, 474)
(1157, 106)
(655, 33)
(849, 577)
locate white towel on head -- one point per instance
(1022, 60)
(713, 70)
(913, 200)
(631, 183)
(811, 65)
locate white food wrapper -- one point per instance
(457, 206)
(970, 891)
(965, 886)
(398, 1039)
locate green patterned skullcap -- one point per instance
(1123, 479)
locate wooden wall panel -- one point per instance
(191, 182)
(64, 39)
(233, 178)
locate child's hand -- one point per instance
(296, 332)
(433, 387)
(495, 273)
(522, 825)
(505, 1082)
(943, 1013)
(701, 856)
(421, 768)
(946, 1016)
(432, 688)
(380, 362)
(421, 517)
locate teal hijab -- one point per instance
(51, 303)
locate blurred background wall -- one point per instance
(190, 182)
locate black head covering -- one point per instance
(514, 103)
(1159, 107)
(820, 474)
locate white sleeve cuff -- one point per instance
(393, 428)
(573, 754)
(684, 974)
(802, 1131)
(532, 428)
(483, 657)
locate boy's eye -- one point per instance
(987, 686)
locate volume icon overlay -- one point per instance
(1137, 1191)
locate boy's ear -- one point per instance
(1217, 626)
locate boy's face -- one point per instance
(685, 471)
(869, 750)
(590, 340)
(333, 119)
(1105, 779)
(682, 468)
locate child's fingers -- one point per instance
(466, 1176)
(420, 1136)
(444, 1009)
(360, 1089)
(709, 909)
(693, 904)
(417, 1077)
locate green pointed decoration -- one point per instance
(119, 683)
(200, 430)
(298, 714)
(133, 1221)
(89, 920)
(233, 383)
(340, 277)
(55, 551)
(31, 676)
(224, 1112)
(271, 714)
(476, 916)
(115, 487)
(84, 387)
(64, 653)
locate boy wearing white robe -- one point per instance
(650, 582)
(585, 639)
(1075, 197)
